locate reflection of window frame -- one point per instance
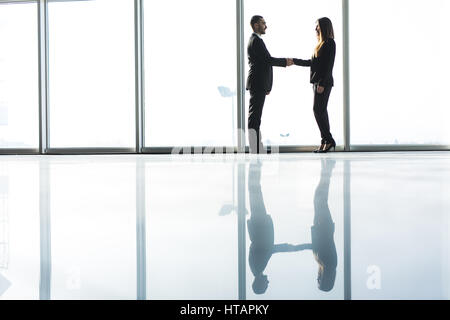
(44, 137)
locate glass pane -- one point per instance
(93, 224)
(19, 97)
(400, 227)
(190, 80)
(399, 65)
(288, 117)
(19, 229)
(192, 240)
(91, 61)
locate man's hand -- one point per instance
(320, 89)
(267, 93)
(289, 62)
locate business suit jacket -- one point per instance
(260, 76)
(321, 66)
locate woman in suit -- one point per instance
(321, 77)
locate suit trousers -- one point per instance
(257, 99)
(321, 113)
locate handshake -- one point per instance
(289, 62)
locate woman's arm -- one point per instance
(302, 63)
(286, 247)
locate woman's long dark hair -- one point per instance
(326, 32)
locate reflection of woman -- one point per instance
(322, 232)
(321, 64)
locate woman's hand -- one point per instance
(320, 89)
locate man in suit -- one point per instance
(260, 79)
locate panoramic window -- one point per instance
(288, 117)
(91, 73)
(190, 73)
(398, 67)
(19, 98)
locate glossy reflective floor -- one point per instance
(281, 226)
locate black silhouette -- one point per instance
(261, 233)
(322, 232)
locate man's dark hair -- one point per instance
(255, 19)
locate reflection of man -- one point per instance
(322, 232)
(260, 230)
(260, 79)
(261, 233)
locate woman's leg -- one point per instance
(321, 114)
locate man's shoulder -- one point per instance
(255, 38)
(256, 42)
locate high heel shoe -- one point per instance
(319, 148)
(328, 147)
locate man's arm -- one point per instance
(263, 56)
